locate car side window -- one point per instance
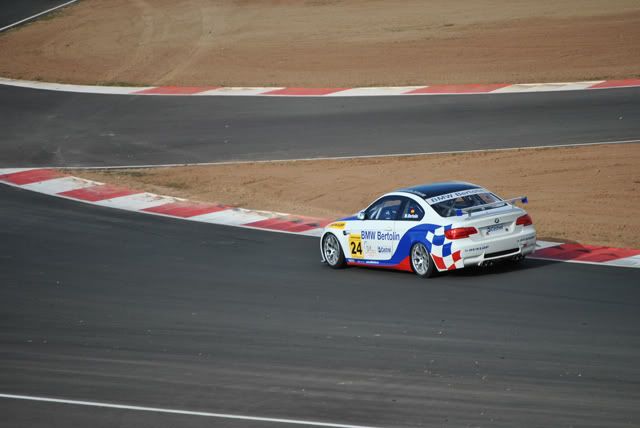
(385, 209)
(412, 211)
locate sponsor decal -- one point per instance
(373, 244)
(380, 236)
(476, 249)
(455, 195)
(337, 225)
(495, 228)
(412, 214)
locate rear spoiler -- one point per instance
(512, 201)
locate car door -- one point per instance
(374, 237)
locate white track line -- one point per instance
(451, 152)
(36, 15)
(178, 412)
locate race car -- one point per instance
(431, 228)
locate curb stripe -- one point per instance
(283, 224)
(469, 89)
(98, 193)
(458, 89)
(616, 84)
(133, 202)
(586, 253)
(176, 90)
(55, 183)
(58, 185)
(304, 91)
(31, 176)
(186, 209)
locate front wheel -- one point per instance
(421, 262)
(332, 251)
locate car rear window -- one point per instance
(448, 207)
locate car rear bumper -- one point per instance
(516, 245)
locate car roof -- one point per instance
(441, 188)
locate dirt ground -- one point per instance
(585, 194)
(328, 43)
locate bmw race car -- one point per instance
(433, 227)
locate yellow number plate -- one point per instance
(355, 246)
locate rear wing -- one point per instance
(512, 201)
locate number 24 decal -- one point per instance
(355, 246)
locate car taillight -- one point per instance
(460, 232)
(524, 220)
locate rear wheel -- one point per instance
(421, 262)
(332, 251)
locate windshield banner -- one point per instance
(455, 195)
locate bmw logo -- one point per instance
(496, 220)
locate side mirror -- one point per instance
(361, 215)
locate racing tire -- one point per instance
(332, 251)
(421, 262)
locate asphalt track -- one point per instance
(21, 9)
(104, 305)
(43, 128)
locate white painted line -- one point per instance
(178, 412)
(36, 15)
(451, 152)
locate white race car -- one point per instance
(429, 228)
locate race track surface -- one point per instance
(99, 304)
(44, 128)
(14, 11)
